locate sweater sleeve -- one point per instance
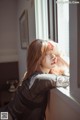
(45, 82)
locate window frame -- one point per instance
(74, 58)
(52, 20)
(41, 19)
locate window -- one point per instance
(68, 20)
(59, 20)
(41, 19)
(52, 20)
(63, 25)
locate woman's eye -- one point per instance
(50, 56)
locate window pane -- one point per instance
(63, 24)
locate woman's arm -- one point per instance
(44, 82)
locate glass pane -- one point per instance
(63, 24)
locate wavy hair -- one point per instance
(36, 52)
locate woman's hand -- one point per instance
(62, 81)
(61, 67)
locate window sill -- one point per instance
(64, 93)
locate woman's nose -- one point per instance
(54, 58)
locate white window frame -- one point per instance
(41, 19)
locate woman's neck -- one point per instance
(45, 70)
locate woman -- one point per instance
(31, 96)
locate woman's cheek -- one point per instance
(48, 61)
(56, 60)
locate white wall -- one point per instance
(8, 30)
(22, 5)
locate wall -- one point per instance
(61, 108)
(8, 31)
(10, 46)
(29, 5)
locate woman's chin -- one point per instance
(53, 65)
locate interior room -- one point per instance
(21, 22)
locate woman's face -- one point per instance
(49, 60)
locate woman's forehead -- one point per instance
(50, 51)
(50, 46)
(55, 52)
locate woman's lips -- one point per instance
(52, 63)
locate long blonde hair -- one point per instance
(36, 51)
